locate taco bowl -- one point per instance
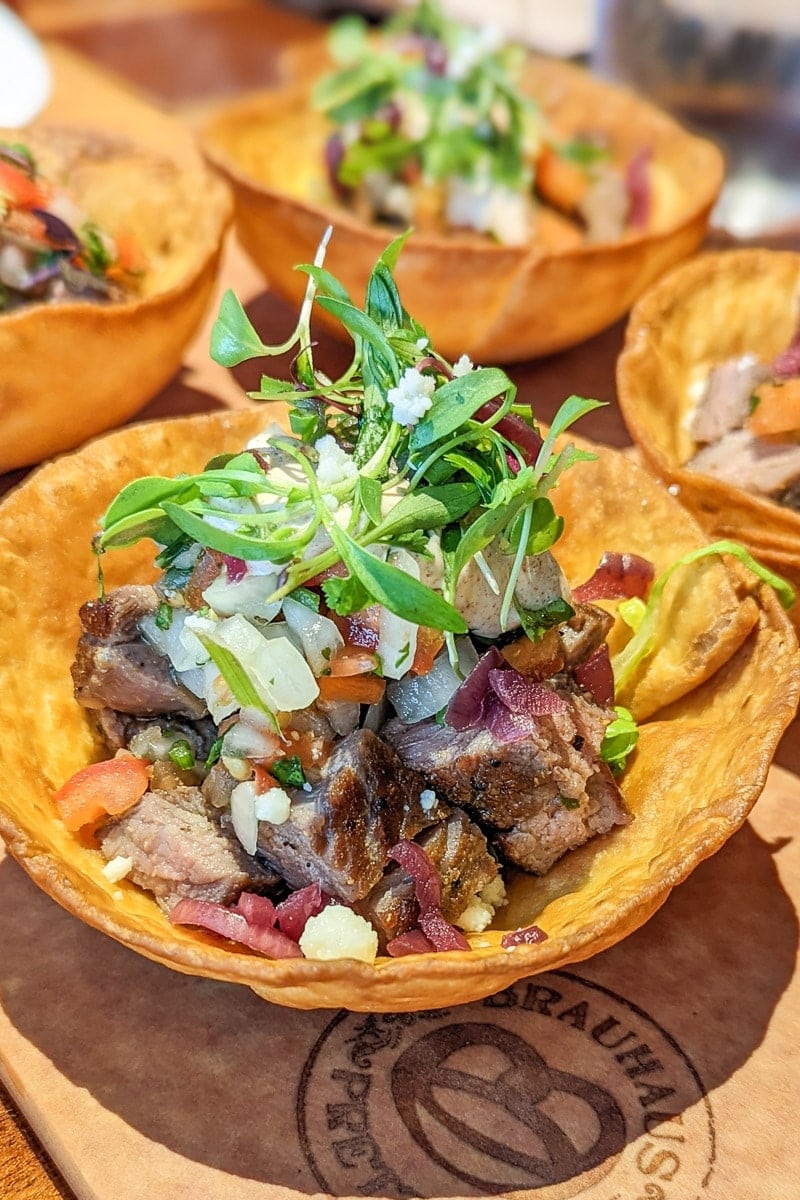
(74, 368)
(536, 298)
(686, 788)
(722, 308)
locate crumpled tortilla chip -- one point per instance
(504, 303)
(74, 369)
(700, 766)
(705, 613)
(718, 307)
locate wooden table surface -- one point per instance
(183, 55)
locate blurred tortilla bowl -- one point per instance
(74, 369)
(686, 787)
(716, 308)
(504, 303)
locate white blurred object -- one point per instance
(563, 27)
(25, 80)
(731, 70)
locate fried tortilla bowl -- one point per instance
(505, 303)
(718, 307)
(701, 764)
(74, 369)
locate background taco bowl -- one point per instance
(504, 302)
(74, 369)
(718, 307)
(700, 766)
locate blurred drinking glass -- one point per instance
(730, 69)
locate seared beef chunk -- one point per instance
(218, 785)
(564, 646)
(545, 794)
(114, 668)
(179, 849)
(340, 833)
(582, 634)
(458, 850)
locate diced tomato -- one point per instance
(19, 188)
(109, 787)
(561, 182)
(129, 260)
(360, 689)
(352, 660)
(778, 409)
(429, 643)
(362, 628)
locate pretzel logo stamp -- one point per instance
(556, 1086)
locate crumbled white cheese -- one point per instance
(330, 502)
(274, 806)
(415, 116)
(490, 207)
(411, 399)
(261, 440)
(462, 367)
(427, 800)
(480, 911)
(335, 464)
(338, 932)
(475, 917)
(117, 868)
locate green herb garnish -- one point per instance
(164, 615)
(181, 754)
(289, 772)
(215, 750)
(619, 740)
(403, 443)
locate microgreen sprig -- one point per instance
(455, 471)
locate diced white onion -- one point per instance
(239, 768)
(179, 642)
(243, 741)
(277, 670)
(117, 868)
(153, 744)
(421, 696)
(397, 638)
(274, 806)
(248, 596)
(427, 800)
(338, 932)
(243, 815)
(319, 636)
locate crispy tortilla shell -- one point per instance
(504, 302)
(716, 308)
(700, 766)
(74, 369)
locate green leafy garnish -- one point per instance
(164, 615)
(288, 772)
(181, 754)
(619, 740)
(536, 621)
(643, 641)
(96, 254)
(215, 750)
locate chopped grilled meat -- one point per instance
(339, 834)
(178, 849)
(115, 619)
(218, 785)
(131, 678)
(457, 848)
(114, 668)
(563, 646)
(521, 788)
(539, 840)
(725, 404)
(583, 633)
(758, 465)
(205, 571)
